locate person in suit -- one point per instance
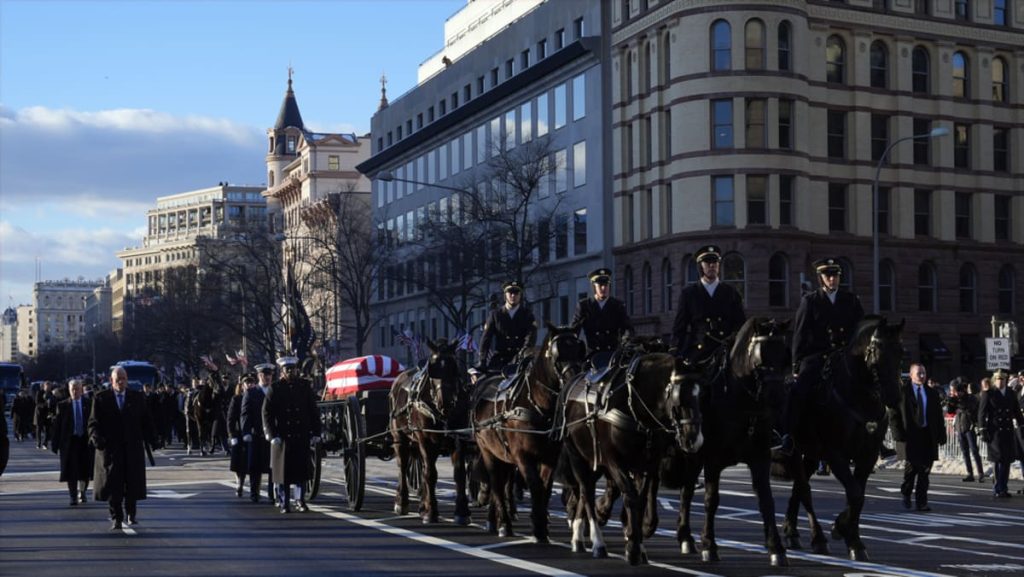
(291, 419)
(998, 409)
(71, 442)
(119, 429)
(251, 424)
(508, 330)
(238, 451)
(918, 428)
(44, 412)
(825, 321)
(22, 409)
(602, 318)
(710, 311)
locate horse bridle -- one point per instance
(564, 371)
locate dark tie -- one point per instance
(78, 418)
(120, 401)
(920, 406)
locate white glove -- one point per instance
(275, 441)
(233, 441)
(315, 441)
(247, 438)
(268, 437)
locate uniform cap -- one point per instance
(829, 264)
(601, 275)
(1000, 374)
(287, 361)
(265, 367)
(710, 253)
(512, 285)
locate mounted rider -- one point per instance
(602, 318)
(710, 311)
(825, 322)
(508, 330)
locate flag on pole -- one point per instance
(466, 342)
(208, 362)
(242, 358)
(231, 360)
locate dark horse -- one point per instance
(621, 429)
(205, 405)
(848, 424)
(512, 429)
(425, 404)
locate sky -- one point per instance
(106, 105)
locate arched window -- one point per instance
(666, 57)
(785, 45)
(666, 285)
(961, 86)
(835, 60)
(778, 280)
(627, 75)
(648, 67)
(734, 272)
(927, 289)
(754, 42)
(879, 65)
(690, 272)
(999, 79)
(846, 277)
(648, 289)
(968, 286)
(1007, 283)
(627, 288)
(886, 286)
(919, 70)
(721, 45)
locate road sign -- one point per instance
(998, 353)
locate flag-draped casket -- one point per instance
(360, 374)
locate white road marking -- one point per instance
(931, 492)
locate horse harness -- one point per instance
(414, 402)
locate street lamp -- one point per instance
(386, 176)
(934, 133)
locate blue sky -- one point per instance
(106, 105)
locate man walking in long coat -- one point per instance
(998, 410)
(292, 420)
(71, 442)
(253, 434)
(918, 428)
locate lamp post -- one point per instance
(386, 176)
(934, 133)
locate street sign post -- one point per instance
(997, 353)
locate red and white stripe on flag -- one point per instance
(368, 373)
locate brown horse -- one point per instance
(203, 413)
(513, 424)
(425, 404)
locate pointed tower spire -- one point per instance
(383, 92)
(289, 114)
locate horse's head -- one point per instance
(880, 346)
(682, 399)
(760, 349)
(563, 352)
(443, 375)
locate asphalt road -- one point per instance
(193, 524)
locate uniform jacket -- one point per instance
(822, 326)
(602, 327)
(119, 436)
(239, 452)
(702, 319)
(251, 423)
(996, 415)
(913, 443)
(76, 456)
(505, 335)
(290, 413)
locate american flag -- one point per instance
(242, 358)
(408, 338)
(208, 361)
(466, 342)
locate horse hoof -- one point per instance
(400, 510)
(709, 556)
(687, 548)
(540, 540)
(462, 520)
(578, 547)
(793, 543)
(600, 552)
(504, 532)
(779, 560)
(491, 528)
(858, 555)
(820, 548)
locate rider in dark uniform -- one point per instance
(602, 317)
(710, 311)
(508, 330)
(825, 322)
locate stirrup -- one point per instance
(786, 447)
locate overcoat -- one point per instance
(290, 413)
(251, 423)
(120, 437)
(995, 415)
(504, 335)
(603, 326)
(822, 326)
(913, 443)
(239, 453)
(703, 320)
(76, 456)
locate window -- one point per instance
(510, 66)
(786, 184)
(836, 207)
(1000, 150)
(835, 60)
(785, 41)
(666, 58)
(666, 285)
(627, 288)
(666, 133)
(419, 119)
(494, 77)
(880, 5)
(922, 212)
(919, 70)
(1002, 217)
(721, 112)
(879, 65)
(577, 28)
(291, 144)
(560, 39)
(961, 87)
(757, 197)
(628, 145)
(627, 74)
(542, 49)
(524, 60)
(648, 140)
(998, 79)
(884, 200)
(561, 171)
(560, 106)
(721, 46)
(479, 91)
(879, 135)
(734, 273)
(754, 39)
(510, 137)
(648, 288)
(526, 121)
(922, 146)
(778, 281)
(886, 286)
(725, 210)
(999, 12)
(968, 284)
(561, 236)
(542, 114)
(579, 163)
(921, 7)
(786, 124)
(579, 97)
(755, 123)
(579, 231)
(961, 146)
(543, 240)
(1007, 282)
(648, 67)
(836, 134)
(926, 288)
(961, 10)
(963, 215)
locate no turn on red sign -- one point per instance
(998, 353)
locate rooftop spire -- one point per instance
(289, 114)
(383, 92)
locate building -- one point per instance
(515, 76)
(27, 338)
(9, 336)
(116, 281)
(759, 125)
(310, 176)
(59, 314)
(99, 309)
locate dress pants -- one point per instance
(915, 480)
(1001, 477)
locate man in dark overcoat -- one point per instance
(998, 410)
(825, 322)
(602, 318)
(291, 419)
(120, 428)
(253, 434)
(963, 403)
(508, 330)
(710, 311)
(71, 442)
(22, 409)
(44, 412)
(918, 428)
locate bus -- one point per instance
(12, 378)
(139, 373)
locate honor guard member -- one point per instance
(825, 322)
(710, 311)
(290, 416)
(508, 329)
(602, 318)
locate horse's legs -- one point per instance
(633, 510)
(538, 499)
(790, 526)
(759, 475)
(401, 446)
(428, 500)
(819, 542)
(846, 525)
(651, 485)
(691, 470)
(712, 476)
(586, 509)
(462, 515)
(607, 502)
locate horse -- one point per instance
(424, 403)
(512, 427)
(620, 429)
(203, 414)
(859, 382)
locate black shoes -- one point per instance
(968, 479)
(74, 502)
(81, 496)
(115, 525)
(131, 520)
(302, 507)
(924, 508)
(906, 502)
(238, 491)
(1003, 495)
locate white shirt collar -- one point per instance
(710, 286)
(512, 310)
(831, 295)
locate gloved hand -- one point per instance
(275, 441)
(233, 441)
(247, 438)
(314, 441)
(268, 437)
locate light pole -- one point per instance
(386, 176)
(935, 133)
